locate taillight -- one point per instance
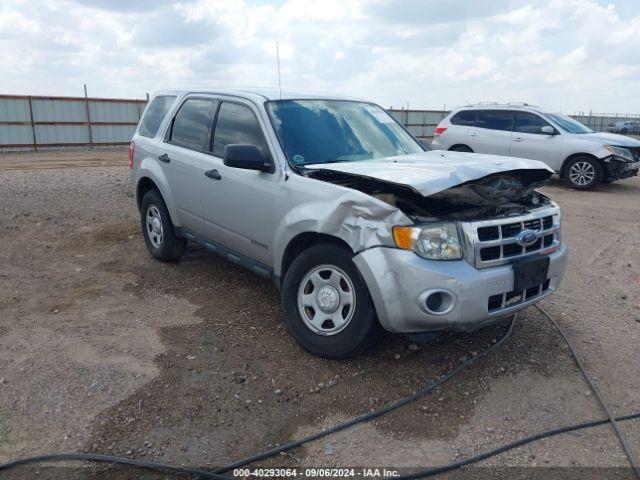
(132, 147)
(438, 131)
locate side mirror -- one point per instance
(548, 130)
(248, 157)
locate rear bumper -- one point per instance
(399, 282)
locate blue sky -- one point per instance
(568, 55)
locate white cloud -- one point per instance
(565, 54)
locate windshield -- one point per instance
(567, 123)
(325, 131)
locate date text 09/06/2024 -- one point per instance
(316, 472)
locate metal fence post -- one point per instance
(86, 104)
(33, 126)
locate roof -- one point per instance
(257, 94)
(502, 106)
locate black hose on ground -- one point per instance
(510, 446)
(603, 404)
(421, 474)
(94, 457)
(218, 474)
(367, 417)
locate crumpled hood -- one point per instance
(611, 139)
(428, 173)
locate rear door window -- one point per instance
(494, 119)
(191, 127)
(529, 123)
(465, 118)
(236, 123)
(154, 115)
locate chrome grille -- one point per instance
(490, 243)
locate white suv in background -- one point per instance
(579, 155)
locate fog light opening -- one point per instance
(439, 302)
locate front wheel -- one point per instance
(583, 173)
(326, 303)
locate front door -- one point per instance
(528, 141)
(237, 205)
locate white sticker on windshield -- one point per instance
(379, 114)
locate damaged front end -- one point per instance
(492, 196)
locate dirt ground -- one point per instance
(103, 349)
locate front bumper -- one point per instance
(399, 281)
(615, 169)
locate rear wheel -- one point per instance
(157, 229)
(624, 131)
(326, 303)
(461, 148)
(583, 173)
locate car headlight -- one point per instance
(438, 241)
(620, 152)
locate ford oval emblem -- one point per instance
(527, 238)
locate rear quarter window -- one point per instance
(464, 117)
(155, 114)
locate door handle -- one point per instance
(473, 134)
(164, 158)
(518, 139)
(213, 174)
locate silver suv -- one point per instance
(352, 219)
(579, 155)
(625, 128)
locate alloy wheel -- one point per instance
(582, 173)
(154, 225)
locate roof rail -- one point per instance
(508, 104)
(522, 104)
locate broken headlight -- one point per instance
(620, 152)
(438, 241)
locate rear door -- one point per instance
(237, 204)
(492, 132)
(181, 154)
(528, 141)
(457, 130)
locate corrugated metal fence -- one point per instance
(600, 121)
(420, 123)
(35, 122)
(38, 122)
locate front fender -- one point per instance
(359, 220)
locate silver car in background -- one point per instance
(355, 223)
(624, 128)
(582, 157)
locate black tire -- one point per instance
(461, 148)
(588, 165)
(166, 246)
(624, 131)
(362, 330)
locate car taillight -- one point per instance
(132, 147)
(438, 131)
